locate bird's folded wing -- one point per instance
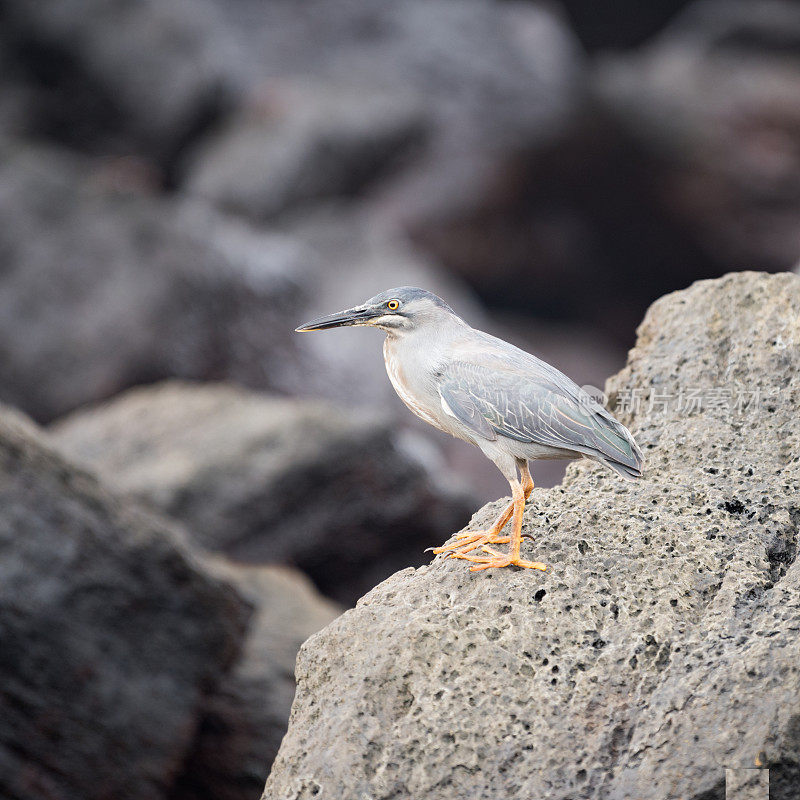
(458, 402)
(532, 408)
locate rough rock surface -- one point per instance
(110, 634)
(126, 288)
(246, 716)
(340, 495)
(661, 647)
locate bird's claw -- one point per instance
(470, 539)
(499, 560)
(467, 542)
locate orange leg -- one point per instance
(469, 540)
(513, 558)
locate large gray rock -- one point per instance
(661, 647)
(101, 289)
(246, 716)
(340, 495)
(112, 634)
(711, 107)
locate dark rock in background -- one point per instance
(111, 634)
(342, 496)
(301, 143)
(488, 75)
(246, 716)
(713, 106)
(661, 647)
(621, 24)
(481, 80)
(146, 75)
(102, 288)
(568, 233)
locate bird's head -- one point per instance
(395, 311)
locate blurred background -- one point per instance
(182, 182)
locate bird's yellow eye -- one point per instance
(393, 305)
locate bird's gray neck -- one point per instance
(418, 355)
(431, 338)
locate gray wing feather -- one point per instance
(461, 405)
(542, 407)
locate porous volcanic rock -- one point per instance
(245, 717)
(111, 634)
(341, 495)
(662, 646)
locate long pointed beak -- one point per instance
(352, 316)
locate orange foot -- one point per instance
(499, 560)
(468, 541)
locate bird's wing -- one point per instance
(534, 407)
(458, 402)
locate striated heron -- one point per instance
(513, 406)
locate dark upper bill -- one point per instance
(352, 316)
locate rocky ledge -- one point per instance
(662, 647)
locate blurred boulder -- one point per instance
(147, 76)
(102, 288)
(660, 648)
(340, 495)
(683, 161)
(246, 716)
(300, 143)
(490, 75)
(112, 634)
(479, 78)
(713, 106)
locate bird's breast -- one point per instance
(414, 399)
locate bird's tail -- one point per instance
(624, 456)
(627, 471)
